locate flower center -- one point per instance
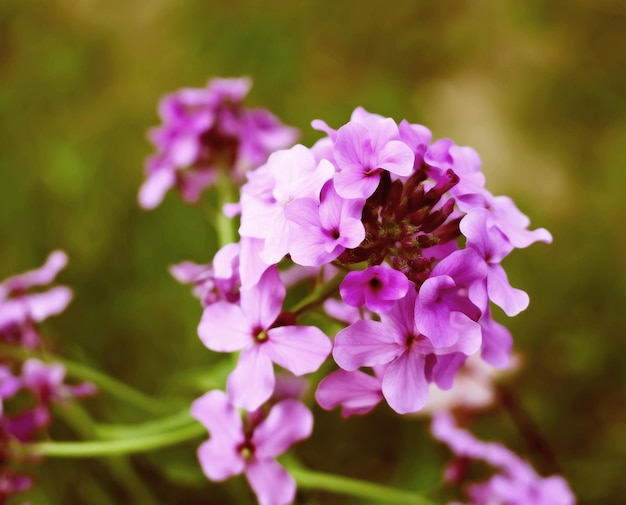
(260, 335)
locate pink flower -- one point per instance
(288, 176)
(21, 310)
(444, 313)
(232, 450)
(365, 147)
(204, 129)
(324, 230)
(251, 327)
(396, 342)
(489, 242)
(376, 287)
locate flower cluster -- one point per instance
(398, 239)
(204, 130)
(28, 389)
(515, 484)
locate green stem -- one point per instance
(113, 431)
(115, 447)
(120, 466)
(308, 479)
(224, 226)
(319, 294)
(114, 387)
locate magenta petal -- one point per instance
(220, 461)
(288, 422)
(511, 300)
(432, 317)
(271, 483)
(154, 188)
(252, 381)
(262, 304)
(52, 302)
(223, 327)
(356, 392)
(396, 157)
(355, 183)
(365, 343)
(497, 343)
(299, 349)
(56, 261)
(218, 415)
(404, 383)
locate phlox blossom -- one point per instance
(232, 450)
(250, 327)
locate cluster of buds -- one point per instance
(397, 239)
(29, 389)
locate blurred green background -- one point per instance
(537, 87)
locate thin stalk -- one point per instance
(319, 295)
(120, 466)
(224, 226)
(113, 431)
(308, 479)
(96, 449)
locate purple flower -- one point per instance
(444, 312)
(516, 484)
(203, 130)
(376, 287)
(396, 342)
(21, 310)
(288, 176)
(232, 450)
(252, 328)
(365, 147)
(46, 380)
(324, 230)
(491, 245)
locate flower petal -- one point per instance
(271, 483)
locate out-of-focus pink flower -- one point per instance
(516, 484)
(21, 310)
(205, 130)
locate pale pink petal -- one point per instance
(262, 304)
(356, 392)
(252, 381)
(50, 303)
(511, 300)
(299, 349)
(224, 327)
(365, 343)
(354, 183)
(154, 188)
(288, 422)
(219, 461)
(497, 343)
(56, 261)
(396, 157)
(271, 483)
(219, 417)
(404, 384)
